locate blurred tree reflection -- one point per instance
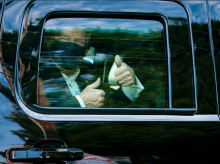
(144, 52)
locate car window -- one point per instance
(103, 62)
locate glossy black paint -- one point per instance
(141, 142)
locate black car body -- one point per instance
(185, 130)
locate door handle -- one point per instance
(45, 154)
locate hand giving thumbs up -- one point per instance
(92, 97)
(124, 74)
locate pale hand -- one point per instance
(93, 98)
(124, 74)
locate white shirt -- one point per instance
(73, 86)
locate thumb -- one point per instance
(117, 60)
(95, 84)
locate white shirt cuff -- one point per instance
(133, 91)
(80, 101)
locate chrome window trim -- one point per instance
(168, 62)
(144, 118)
(212, 54)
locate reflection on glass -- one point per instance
(112, 63)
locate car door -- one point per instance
(166, 43)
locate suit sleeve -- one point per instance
(133, 91)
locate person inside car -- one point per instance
(74, 62)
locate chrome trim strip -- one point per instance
(169, 63)
(145, 118)
(212, 54)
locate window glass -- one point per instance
(100, 62)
